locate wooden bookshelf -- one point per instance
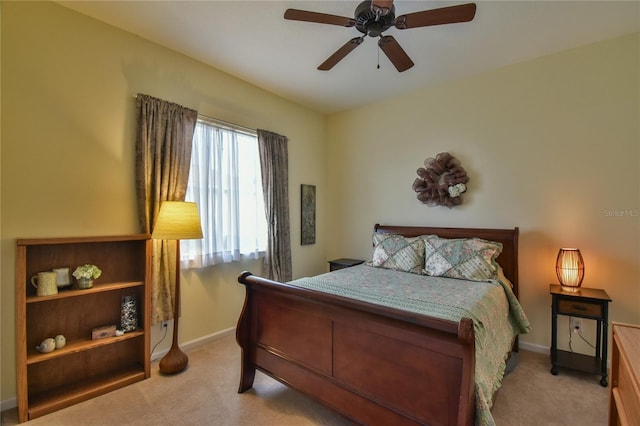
(84, 368)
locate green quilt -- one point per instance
(496, 313)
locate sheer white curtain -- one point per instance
(225, 182)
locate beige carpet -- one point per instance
(205, 394)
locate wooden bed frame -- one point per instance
(373, 364)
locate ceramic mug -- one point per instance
(63, 279)
(45, 283)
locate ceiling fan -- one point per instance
(373, 17)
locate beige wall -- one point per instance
(68, 133)
(551, 146)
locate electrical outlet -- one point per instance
(165, 324)
(576, 324)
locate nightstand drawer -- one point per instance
(579, 308)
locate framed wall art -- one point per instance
(308, 214)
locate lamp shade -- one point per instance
(177, 220)
(570, 268)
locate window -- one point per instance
(225, 182)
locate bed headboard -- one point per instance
(508, 259)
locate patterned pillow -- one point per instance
(466, 258)
(396, 252)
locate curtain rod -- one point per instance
(231, 126)
(223, 123)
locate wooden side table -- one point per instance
(624, 395)
(588, 303)
(336, 264)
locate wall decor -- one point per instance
(441, 182)
(308, 214)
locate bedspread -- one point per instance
(496, 313)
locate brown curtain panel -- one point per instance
(163, 156)
(274, 160)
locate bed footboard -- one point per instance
(373, 364)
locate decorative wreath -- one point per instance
(441, 182)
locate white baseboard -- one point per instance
(533, 347)
(187, 346)
(10, 403)
(547, 351)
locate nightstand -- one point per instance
(336, 264)
(588, 303)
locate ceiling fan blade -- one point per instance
(395, 53)
(443, 15)
(381, 7)
(320, 18)
(341, 53)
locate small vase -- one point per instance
(85, 283)
(128, 314)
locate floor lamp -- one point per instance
(177, 220)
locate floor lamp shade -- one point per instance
(570, 268)
(177, 220)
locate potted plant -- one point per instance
(85, 275)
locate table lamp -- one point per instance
(570, 269)
(177, 220)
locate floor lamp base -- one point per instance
(174, 361)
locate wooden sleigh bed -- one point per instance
(374, 364)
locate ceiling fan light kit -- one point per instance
(373, 17)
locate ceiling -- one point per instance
(252, 41)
